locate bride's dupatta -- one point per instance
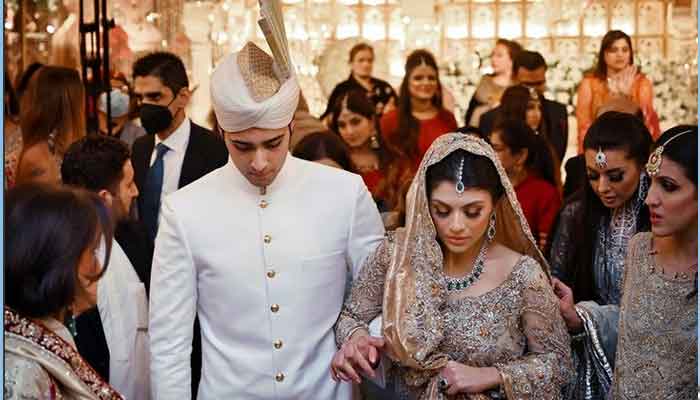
(415, 288)
(59, 358)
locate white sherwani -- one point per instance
(266, 273)
(123, 306)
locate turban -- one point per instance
(247, 92)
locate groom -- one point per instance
(259, 249)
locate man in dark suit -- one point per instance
(529, 69)
(174, 153)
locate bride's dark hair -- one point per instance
(477, 172)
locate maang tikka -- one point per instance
(601, 160)
(654, 163)
(459, 187)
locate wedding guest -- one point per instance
(354, 120)
(113, 335)
(614, 75)
(12, 130)
(651, 338)
(530, 70)
(418, 120)
(379, 92)
(522, 104)
(532, 171)
(122, 127)
(487, 95)
(463, 291)
(324, 148)
(594, 226)
(52, 116)
(52, 268)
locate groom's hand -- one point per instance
(358, 354)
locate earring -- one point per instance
(491, 233)
(374, 142)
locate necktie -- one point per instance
(152, 190)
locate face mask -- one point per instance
(155, 118)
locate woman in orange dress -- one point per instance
(614, 76)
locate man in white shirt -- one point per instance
(102, 164)
(260, 249)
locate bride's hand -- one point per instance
(466, 379)
(567, 308)
(359, 353)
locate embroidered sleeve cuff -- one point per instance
(345, 328)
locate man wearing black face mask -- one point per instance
(174, 153)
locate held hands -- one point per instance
(358, 354)
(465, 379)
(566, 306)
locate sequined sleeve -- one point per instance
(561, 254)
(26, 379)
(547, 366)
(365, 300)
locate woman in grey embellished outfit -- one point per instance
(464, 293)
(656, 343)
(590, 239)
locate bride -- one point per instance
(463, 291)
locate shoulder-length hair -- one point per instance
(405, 141)
(53, 104)
(601, 68)
(47, 230)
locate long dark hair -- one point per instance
(477, 172)
(611, 131)
(517, 136)
(47, 229)
(601, 69)
(405, 141)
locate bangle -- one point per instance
(353, 330)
